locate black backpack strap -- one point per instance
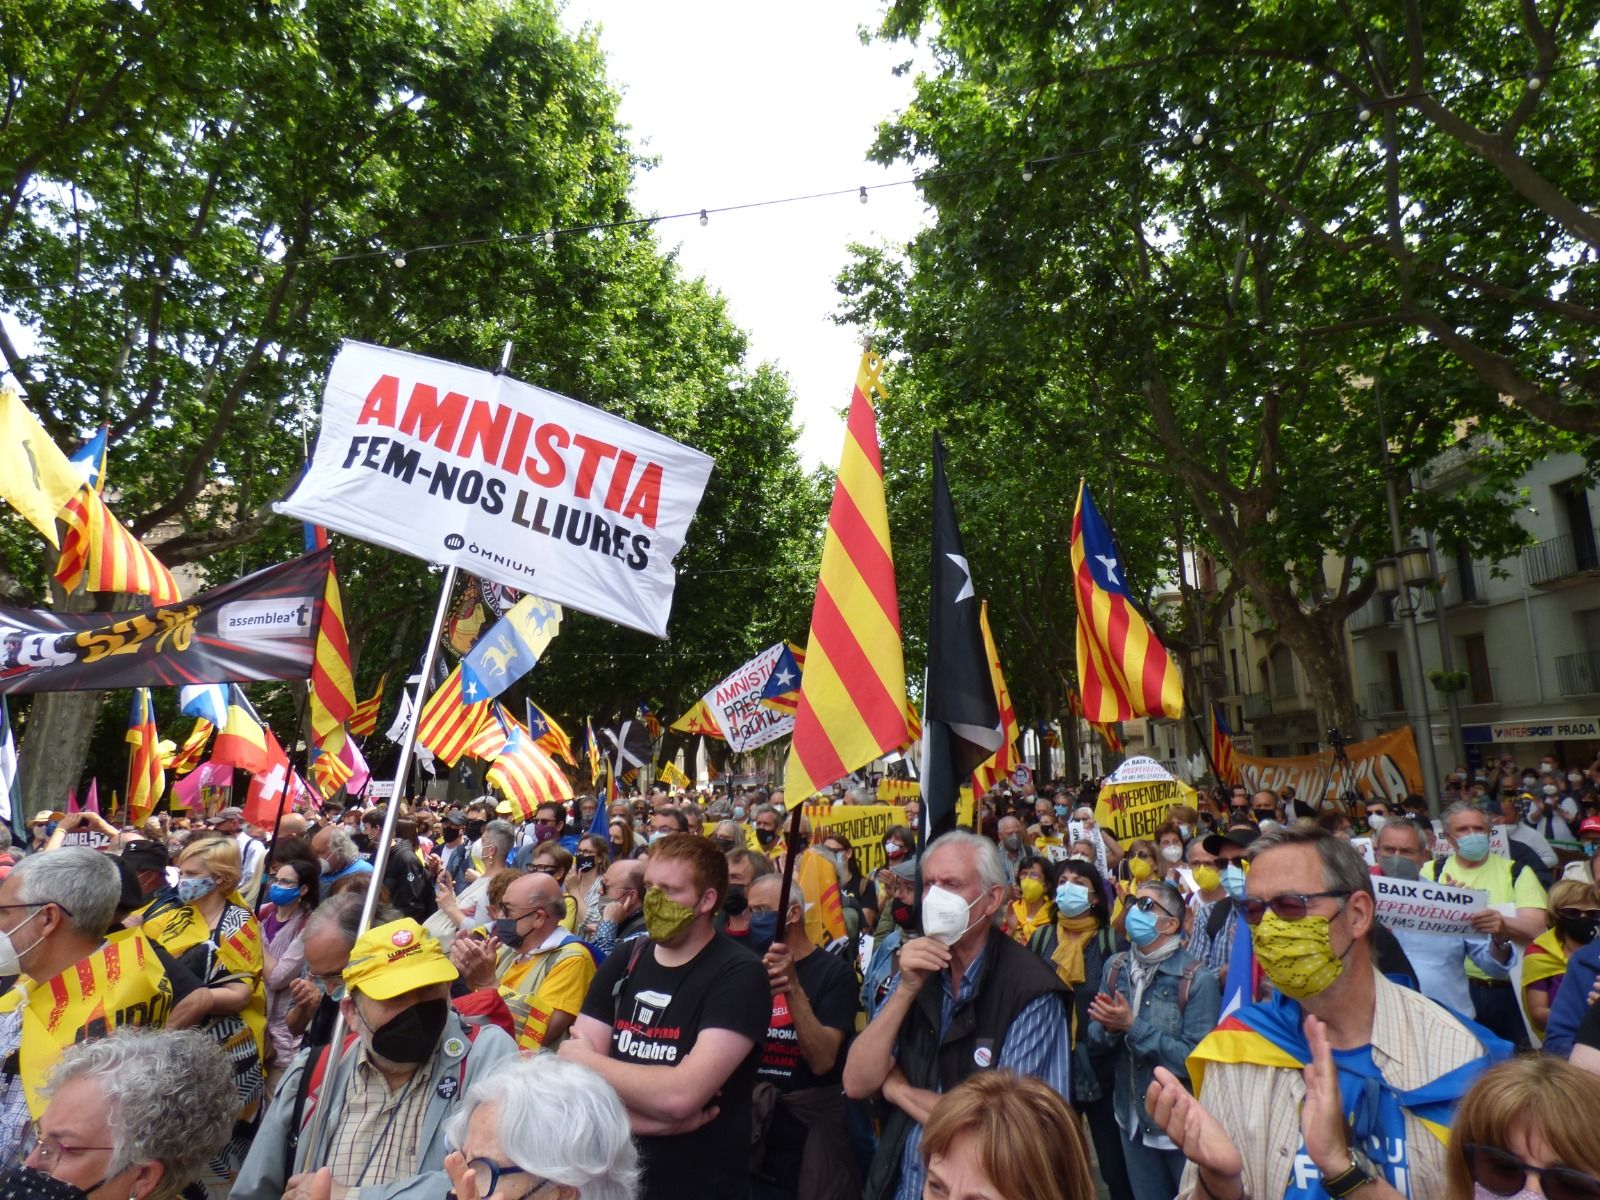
(301, 1091)
(1186, 982)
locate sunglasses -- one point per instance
(1150, 904)
(1578, 914)
(1505, 1175)
(1291, 906)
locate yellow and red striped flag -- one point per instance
(549, 736)
(1123, 669)
(853, 694)
(1108, 734)
(330, 772)
(446, 724)
(188, 757)
(146, 779)
(1222, 747)
(1004, 760)
(333, 687)
(698, 720)
(527, 776)
(492, 735)
(365, 718)
(913, 723)
(99, 552)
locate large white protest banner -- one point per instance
(736, 703)
(1422, 906)
(522, 486)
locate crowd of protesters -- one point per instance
(649, 999)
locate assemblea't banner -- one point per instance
(518, 485)
(263, 626)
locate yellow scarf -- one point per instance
(1024, 926)
(1072, 934)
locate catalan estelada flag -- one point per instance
(446, 724)
(591, 750)
(1222, 746)
(492, 735)
(188, 756)
(333, 687)
(698, 719)
(1123, 669)
(1004, 761)
(243, 742)
(781, 692)
(146, 779)
(547, 735)
(527, 776)
(364, 720)
(1269, 1035)
(100, 553)
(853, 696)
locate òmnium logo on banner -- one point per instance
(516, 484)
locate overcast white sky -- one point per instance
(748, 100)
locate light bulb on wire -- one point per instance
(399, 260)
(550, 238)
(1027, 172)
(1535, 83)
(863, 193)
(1364, 114)
(704, 220)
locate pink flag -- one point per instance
(208, 774)
(350, 755)
(72, 800)
(92, 801)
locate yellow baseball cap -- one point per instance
(401, 956)
(503, 807)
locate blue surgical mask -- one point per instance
(738, 812)
(1233, 881)
(190, 890)
(1061, 810)
(763, 929)
(1473, 847)
(283, 893)
(1072, 899)
(1142, 927)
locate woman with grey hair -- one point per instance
(138, 1113)
(503, 1130)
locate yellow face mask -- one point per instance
(1297, 956)
(1139, 868)
(1206, 878)
(1032, 889)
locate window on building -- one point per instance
(1572, 501)
(1464, 573)
(1480, 680)
(1282, 671)
(1589, 630)
(1397, 688)
(1233, 661)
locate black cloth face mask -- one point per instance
(411, 1036)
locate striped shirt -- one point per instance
(1414, 1041)
(379, 1128)
(1037, 1044)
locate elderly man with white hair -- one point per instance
(967, 998)
(338, 855)
(55, 911)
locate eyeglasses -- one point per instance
(1505, 1175)
(486, 1175)
(506, 914)
(1578, 914)
(1290, 906)
(50, 1149)
(543, 869)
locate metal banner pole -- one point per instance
(380, 852)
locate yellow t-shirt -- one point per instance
(542, 984)
(1492, 875)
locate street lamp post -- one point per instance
(1447, 661)
(1394, 574)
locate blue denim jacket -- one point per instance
(1160, 1035)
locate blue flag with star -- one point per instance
(510, 649)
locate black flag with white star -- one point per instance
(961, 725)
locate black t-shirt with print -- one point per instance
(830, 988)
(656, 1016)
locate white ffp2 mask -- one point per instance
(944, 915)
